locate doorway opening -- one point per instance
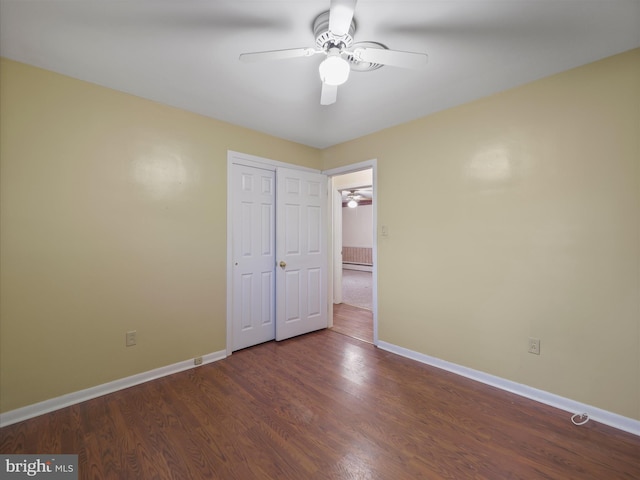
(354, 251)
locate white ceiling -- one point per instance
(185, 54)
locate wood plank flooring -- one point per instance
(353, 321)
(323, 406)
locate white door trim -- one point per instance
(251, 161)
(336, 238)
(355, 167)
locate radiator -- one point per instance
(357, 255)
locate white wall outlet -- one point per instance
(534, 346)
(131, 338)
(197, 361)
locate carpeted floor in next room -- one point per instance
(357, 288)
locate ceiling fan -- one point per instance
(352, 197)
(334, 32)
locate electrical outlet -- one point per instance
(197, 361)
(534, 346)
(131, 338)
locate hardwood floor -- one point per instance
(323, 406)
(353, 321)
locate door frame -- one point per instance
(256, 162)
(355, 167)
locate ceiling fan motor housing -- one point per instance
(325, 39)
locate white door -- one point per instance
(301, 278)
(253, 297)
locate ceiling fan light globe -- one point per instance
(352, 203)
(334, 70)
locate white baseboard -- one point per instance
(620, 422)
(69, 399)
(355, 266)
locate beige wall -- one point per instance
(113, 213)
(515, 216)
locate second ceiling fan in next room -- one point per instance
(334, 31)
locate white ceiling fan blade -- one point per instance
(340, 16)
(329, 94)
(393, 58)
(277, 54)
